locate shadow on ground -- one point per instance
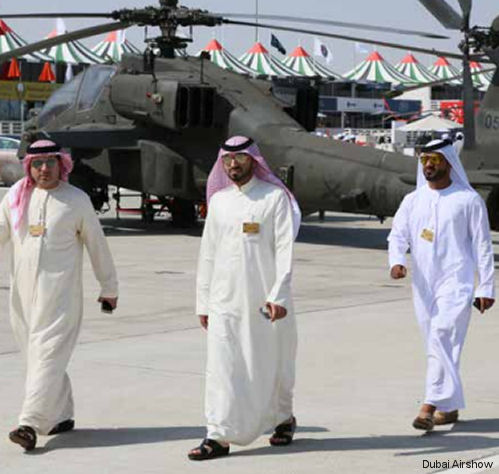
(126, 226)
(344, 236)
(108, 437)
(340, 218)
(464, 436)
(436, 442)
(310, 232)
(478, 425)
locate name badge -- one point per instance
(36, 230)
(427, 234)
(251, 227)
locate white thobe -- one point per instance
(251, 361)
(46, 293)
(443, 275)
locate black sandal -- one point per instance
(284, 433)
(24, 436)
(216, 451)
(62, 427)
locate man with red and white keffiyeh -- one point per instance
(244, 301)
(48, 222)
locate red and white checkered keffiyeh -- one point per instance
(20, 192)
(218, 178)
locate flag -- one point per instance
(320, 49)
(68, 75)
(276, 44)
(120, 37)
(361, 48)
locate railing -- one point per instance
(11, 128)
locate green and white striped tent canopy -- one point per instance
(114, 45)
(444, 70)
(10, 40)
(261, 61)
(73, 52)
(375, 68)
(301, 62)
(222, 58)
(490, 75)
(480, 81)
(411, 67)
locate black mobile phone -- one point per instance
(106, 307)
(476, 303)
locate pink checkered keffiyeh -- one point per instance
(20, 193)
(218, 178)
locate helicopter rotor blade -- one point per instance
(58, 15)
(465, 6)
(345, 37)
(72, 36)
(444, 13)
(333, 23)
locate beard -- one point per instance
(434, 175)
(238, 175)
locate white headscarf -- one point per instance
(445, 148)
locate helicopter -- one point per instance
(154, 123)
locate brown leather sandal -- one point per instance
(445, 417)
(62, 427)
(425, 423)
(25, 436)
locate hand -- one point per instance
(276, 311)
(203, 319)
(484, 304)
(112, 301)
(398, 271)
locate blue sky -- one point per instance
(394, 13)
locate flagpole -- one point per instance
(256, 15)
(313, 56)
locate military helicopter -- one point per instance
(154, 123)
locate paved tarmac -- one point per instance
(138, 375)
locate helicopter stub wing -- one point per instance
(94, 138)
(477, 178)
(483, 177)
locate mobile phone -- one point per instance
(476, 303)
(106, 307)
(265, 312)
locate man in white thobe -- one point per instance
(444, 223)
(48, 221)
(244, 302)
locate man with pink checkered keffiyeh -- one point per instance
(244, 302)
(48, 222)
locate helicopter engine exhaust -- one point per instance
(168, 103)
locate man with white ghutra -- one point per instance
(445, 225)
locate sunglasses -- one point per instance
(433, 158)
(50, 162)
(240, 158)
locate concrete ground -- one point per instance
(138, 374)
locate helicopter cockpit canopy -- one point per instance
(83, 90)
